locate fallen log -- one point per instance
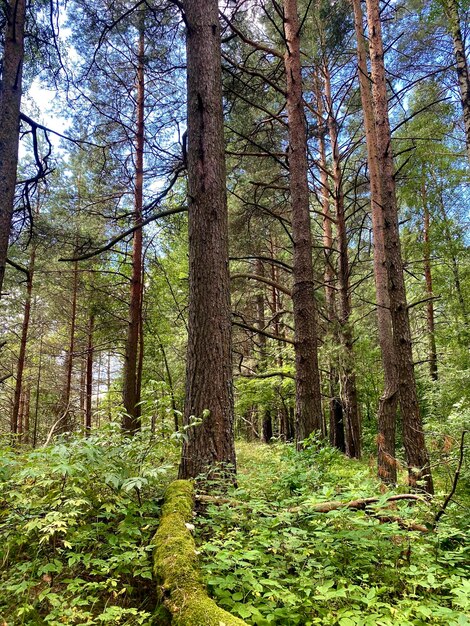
(334, 505)
(361, 503)
(176, 568)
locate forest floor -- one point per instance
(78, 517)
(271, 558)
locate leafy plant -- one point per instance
(76, 525)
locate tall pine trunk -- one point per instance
(413, 436)
(308, 411)
(209, 447)
(10, 102)
(131, 383)
(463, 74)
(336, 424)
(350, 408)
(387, 411)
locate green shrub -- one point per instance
(76, 522)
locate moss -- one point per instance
(176, 566)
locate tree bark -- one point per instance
(413, 435)
(463, 74)
(10, 102)
(308, 417)
(24, 341)
(387, 409)
(209, 447)
(350, 408)
(131, 388)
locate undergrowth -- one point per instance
(75, 525)
(272, 565)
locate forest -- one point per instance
(234, 312)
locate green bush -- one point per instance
(272, 561)
(76, 522)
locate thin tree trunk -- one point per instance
(10, 102)
(266, 416)
(26, 414)
(352, 425)
(454, 263)
(413, 435)
(429, 289)
(209, 447)
(89, 373)
(64, 408)
(336, 424)
(24, 341)
(38, 387)
(108, 384)
(170, 385)
(387, 410)
(463, 74)
(308, 416)
(83, 386)
(131, 392)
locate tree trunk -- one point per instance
(10, 102)
(454, 262)
(463, 74)
(64, 405)
(266, 423)
(350, 408)
(38, 388)
(26, 415)
(89, 373)
(24, 341)
(387, 409)
(336, 426)
(413, 435)
(308, 409)
(131, 389)
(209, 393)
(429, 289)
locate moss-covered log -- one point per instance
(176, 564)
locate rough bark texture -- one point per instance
(10, 102)
(209, 394)
(131, 386)
(387, 411)
(176, 565)
(308, 418)
(463, 74)
(413, 435)
(350, 408)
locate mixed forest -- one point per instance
(234, 312)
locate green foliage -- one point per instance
(76, 524)
(271, 560)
